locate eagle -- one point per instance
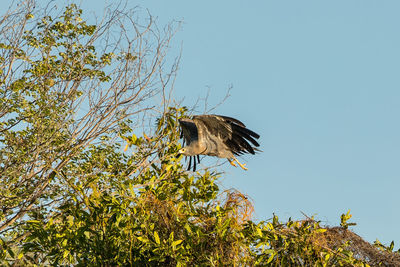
(216, 135)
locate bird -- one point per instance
(216, 135)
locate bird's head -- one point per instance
(187, 151)
(184, 151)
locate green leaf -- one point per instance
(87, 234)
(271, 258)
(65, 254)
(177, 242)
(156, 237)
(259, 232)
(133, 139)
(187, 227)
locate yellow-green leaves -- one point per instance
(29, 16)
(156, 238)
(344, 218)
(175, 243)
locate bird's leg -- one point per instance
(190, 163)
(240, 164)
(232, 162)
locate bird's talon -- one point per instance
(241, 165)
(232, 163)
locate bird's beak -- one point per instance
(179, 153)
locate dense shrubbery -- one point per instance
(71, 195)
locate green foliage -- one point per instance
(162, 214)
(67, 58)
(121, 209)
(382, 247)
(36, 115)
(297, 243)
(344, 218)
(106, 205)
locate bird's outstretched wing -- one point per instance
(232, 132)
(189, 130)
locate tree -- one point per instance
(65, 84)
(72, 95)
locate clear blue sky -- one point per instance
(320, 82)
